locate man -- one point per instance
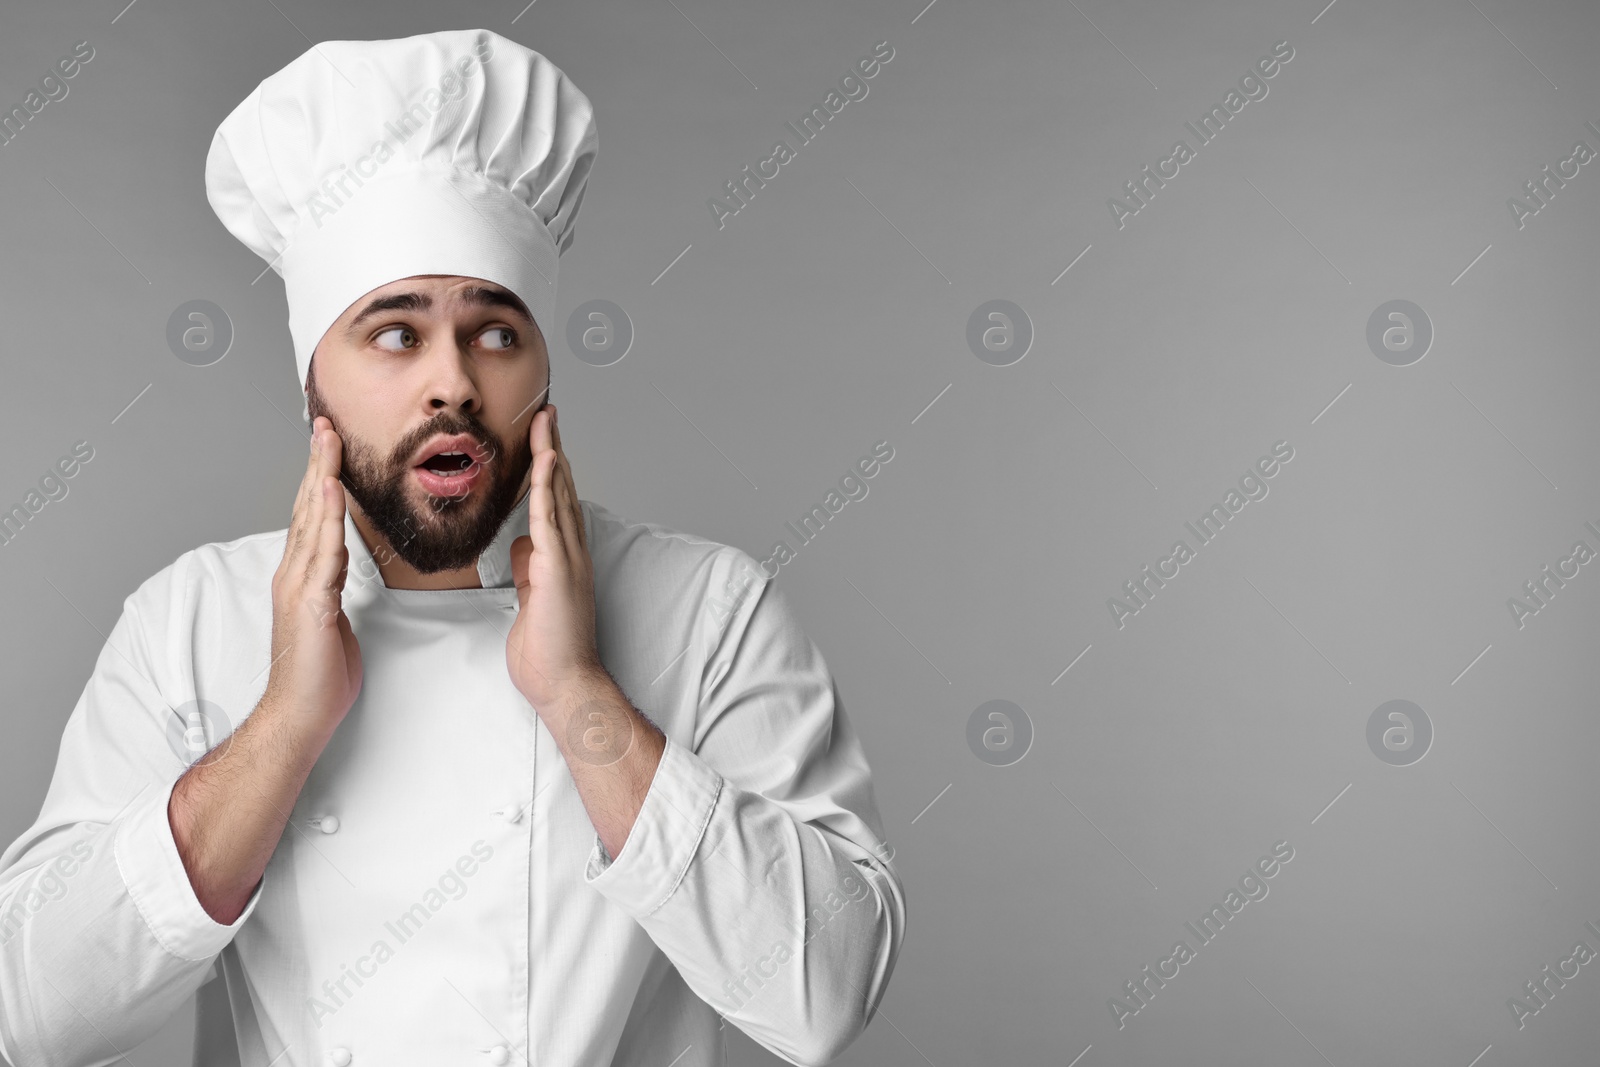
(444, 831)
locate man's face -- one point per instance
(406, 368)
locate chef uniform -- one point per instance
(439, 896)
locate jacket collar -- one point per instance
(494, 565)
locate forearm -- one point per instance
(101, 936)
(611, 751)
(789, 929)
(82, 971)
(229, 810)
(806, 991)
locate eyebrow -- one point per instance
(478, 295)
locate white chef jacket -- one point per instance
(439, 896)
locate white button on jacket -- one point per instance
(439, 894)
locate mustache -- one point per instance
(447, 423)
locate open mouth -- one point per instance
(448, 464)
(453, 469)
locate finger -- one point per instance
(543, 527)
(570, 509)
(332, 452)
(566, 499)
(565, 493)
(331, 552)
(541, 431)
(555, 438)
(302, 496)
(521, 548)
(543, 524)
(561, 486)
(311, 534)
(572, 485)
(330, 458)
(521, 554)
(302, 529)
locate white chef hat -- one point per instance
(361, 162)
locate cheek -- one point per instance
(363, 423)
(515, 398)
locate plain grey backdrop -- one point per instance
(1169, 353)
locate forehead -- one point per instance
(436, 294)
(436, 284)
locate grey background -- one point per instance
(1227, 315)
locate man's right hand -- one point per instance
(225, 835)
(316, 661)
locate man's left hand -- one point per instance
(551, 650)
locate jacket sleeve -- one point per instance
(757, 862)
(102, 937)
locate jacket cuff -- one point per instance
(147, 856)
(665, 835)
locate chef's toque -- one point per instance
(362, 162)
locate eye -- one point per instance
(405, 336)
(499, 337)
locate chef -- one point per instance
(458, 768)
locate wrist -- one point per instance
(573, 693)
(297, 736)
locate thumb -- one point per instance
(521, 549)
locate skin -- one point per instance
(390, 379)
(387, 383)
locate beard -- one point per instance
(440, 533)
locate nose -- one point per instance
(450, 382)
